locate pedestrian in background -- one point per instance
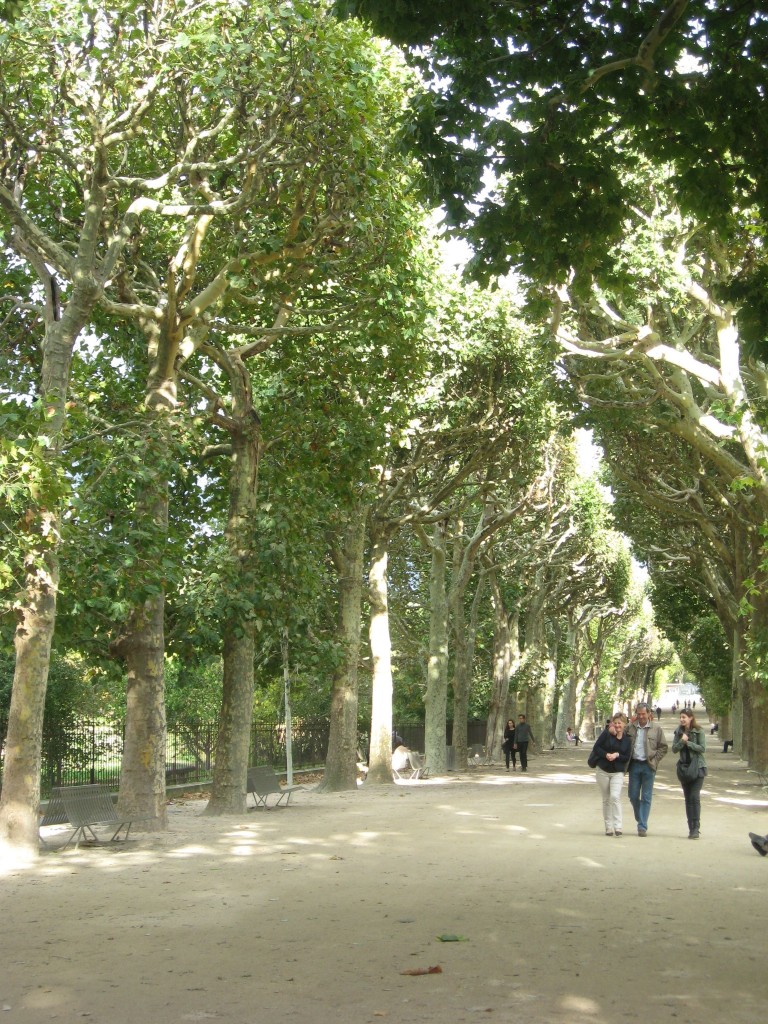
(523, 736)
(508, 746)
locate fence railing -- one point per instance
(89, 751)
(92, 751)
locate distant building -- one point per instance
(680, 693)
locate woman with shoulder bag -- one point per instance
(611, 754)
(689, 742)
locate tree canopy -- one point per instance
(557, 99)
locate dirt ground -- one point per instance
(312, 913)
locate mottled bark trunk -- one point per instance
(142, 775)
(36, 611)
(228, 791)
(347, 551)
(436, 697)
(380, 757)
(141, 643)
(23, 743)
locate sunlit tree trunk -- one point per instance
(380, 757)
(36, 608)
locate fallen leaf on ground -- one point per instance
(414, 971)
(452, 938)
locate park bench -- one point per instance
(55, 813)
(263, 782)
(407, 764)
(419, 768)
(177, 772)
(84, 807)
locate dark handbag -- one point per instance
(594, 757)
(688, 770)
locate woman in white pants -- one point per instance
(614, 749)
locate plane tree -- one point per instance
(464, 457)
(675, 394)
(78, 90)
(122, 133)
(548, 96)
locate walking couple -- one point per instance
(638, 748)
(516, 740)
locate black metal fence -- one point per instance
(92, 751)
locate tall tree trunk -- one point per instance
(542, 705)
(566, 712)
(380, 757)
(228, 789)
(505, 658)
(466, 551)
(588, 730)
(436, 696)
(141, 643)
(36, 610)
(527, 675)
(141, 646)
(464, 652)
(142, 775)
(737, 691)
(228, 792)
(538, 666)
(755, 694)
(347, 551)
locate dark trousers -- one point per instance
(692, 794)
(508, 752)
(522, 750)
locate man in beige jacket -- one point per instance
(648, 748)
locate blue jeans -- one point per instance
(641, 777)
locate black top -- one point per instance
(608, 744)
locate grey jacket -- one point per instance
(655, 744)
(523, 733)
(696, 744)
